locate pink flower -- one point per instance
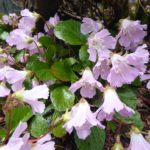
(87, 83)
(32, 15)
(19, 39)
(82, 119)
(139, 58)
(16, 78)
(98, 42)
(3, 72)
(131, 33)
(6, 19)
(102, 68)
(31, 97)
(120, 69)
(4, 91)
(137, 141)
(35, 47)
(5, 59)
(26, 24)
(89, 26)
(112, 104)
(146, 77)
(10, 19)
(121, 72)
(16, 142)
(44, 143)
(51, 23)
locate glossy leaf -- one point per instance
(95, 141)
(63, 71)
(41, 69)
(38, 126)
(69, 32)
(62, 98)
(59, 131)
(128, 96)
(19, 114)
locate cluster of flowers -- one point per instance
(11, 79)
(22, 37)
(18, 142)
(116, 68)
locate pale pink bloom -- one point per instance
(120, 69)
(31, 97)
(139, 58)
(44, 143)
(6, 19)
(35, 82)
(137, 141)
(87, 83)
(37, 92)
(102, 68)
(10, 19)
(24, 58)
(98, 42)
(3, 72)
(16, 142)
(19, 38)
(131, 33)
(82, 120)
(112, 104)
(26, 24)
(4, 91)
(121, 72)
(146, 77)
(35, 47)
(51, 23)
(5, 60)
(89, 26)
(16, 78)
(27, 13)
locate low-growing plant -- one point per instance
(73, 78)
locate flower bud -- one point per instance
(117, 146)
(66, 116)
(18, 94)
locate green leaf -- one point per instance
(95, 141)
(111, 126)
(46, 41)
(50, 46)
(70, 61)
(135, 119)
(4, 35)
(2, 133)
(41, 69)
(63, 71)
(19, 114)
(19, 56)
(59, 131)
(62, 98)
(50, 52)
(128, 96)
(38, 126)
(69, 32)
(137, 82)
(84, 56)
